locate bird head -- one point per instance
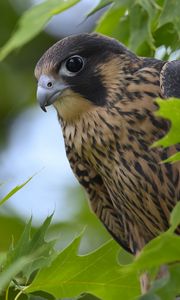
(79, 73)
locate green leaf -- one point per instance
(170, 14)
(149, 296)
(141, 16)
(161, 250)
(130, 23)
(14, 190)
(13, 225)
(166, 36)
(175, 217)
(110, 17)
(100, 5)
(169, 109)
(11, 271)
(149, 6)
(33, 22)
(87, 297)
(166, 288)
(2, 257)
(97, 273)
(172, 287)
(172, 159)
(35, 247)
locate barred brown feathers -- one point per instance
(104, 96)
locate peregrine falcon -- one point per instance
(104, 96)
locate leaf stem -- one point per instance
(18, 295)
(7, 293)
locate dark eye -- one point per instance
(74, 64)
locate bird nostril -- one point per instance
(49, 84)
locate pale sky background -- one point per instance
(35, 142)
(36, 145)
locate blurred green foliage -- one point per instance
(170, 109)
(138, 24)
(15, 190)
(32, 22)
(143, 26)
(32, 265)
(16, 72)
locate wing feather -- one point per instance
(170, 79)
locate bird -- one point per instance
(104, 96)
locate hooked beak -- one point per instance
(49, 90)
